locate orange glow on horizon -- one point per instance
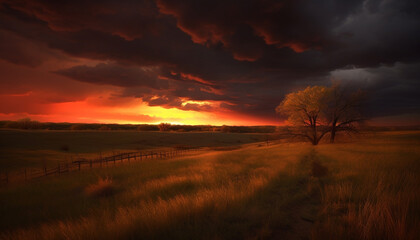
(138, 112)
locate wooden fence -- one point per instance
(28, 174)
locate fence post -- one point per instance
(90, 163)
(45, 170)
(79, 162)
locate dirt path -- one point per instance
(301, 223)
(301, 219)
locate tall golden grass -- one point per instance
(216, 191)
(354, 190)
(375, 193)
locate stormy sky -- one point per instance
(203, 62)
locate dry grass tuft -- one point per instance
(103, 188)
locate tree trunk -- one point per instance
(333, 130)
(332, 137)
(315, 140)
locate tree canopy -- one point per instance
(318, 110)
(343, 109)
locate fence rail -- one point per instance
(29, 174)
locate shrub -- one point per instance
(103, 188)
(145, 127)
(24, 123)
(76, 127)
(104, 128)
(164, 127)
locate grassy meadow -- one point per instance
(38, 148)
(365, 188)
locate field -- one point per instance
(364, 188)
(38, 148)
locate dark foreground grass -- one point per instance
(362, 190)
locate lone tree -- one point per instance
(164, 127)
(305, 111)
(343, 109)
(319, 110)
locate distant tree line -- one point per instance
(29, 124)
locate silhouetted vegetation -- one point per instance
(164, 127)
(28, 124)
(343, 109)
(243, 129)
(24, 123)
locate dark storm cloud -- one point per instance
(166, 47)
(128, 19)
(18, 50)
(247, 54)
(300, 25)
(391, 90)
(383, 32)
(116, 75)
(148, 83)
